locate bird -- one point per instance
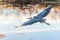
(39, 17)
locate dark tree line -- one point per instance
(25, 2)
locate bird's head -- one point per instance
(49, 7)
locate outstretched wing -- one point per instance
(45, 12)
(38, 17)
(31, 21)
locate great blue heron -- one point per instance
(39, 17)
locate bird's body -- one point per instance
(39, 17)
(45, 12)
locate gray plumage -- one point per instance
(39, 17)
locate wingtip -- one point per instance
(29, 18)
(21, 25)
(18, 26)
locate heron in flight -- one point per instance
(39, 17)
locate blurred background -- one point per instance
(15, 12)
